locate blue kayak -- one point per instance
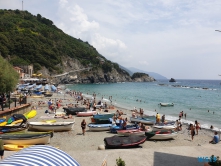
(114, 128)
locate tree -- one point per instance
(8, 77)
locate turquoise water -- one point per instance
(194, 97)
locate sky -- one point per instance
(174, 38)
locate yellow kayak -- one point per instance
(12, 147)
(3, 123)
(15, 122)
(30, 114)
(15, 147)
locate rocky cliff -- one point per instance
(75, 72)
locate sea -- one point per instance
(199, 99)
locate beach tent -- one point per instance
(40, 155)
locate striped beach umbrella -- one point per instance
(40, 155)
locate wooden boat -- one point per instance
(99, 127)
(124, 142)
(9, 129)
(114, 128)
(30, 114)
(88, 113)
(167, 125)
(48, 94)
(13, 147)
(73, 111)
(161, 135)
(166, 104)
(26, 138)
(56, 126)
(130, 132)
(142, 120)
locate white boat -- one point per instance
(99, 127)
(142, 120)
(166, 104)
(161, 135)
(57, 126)
(88, 113)
(169, 125)
(130, 132)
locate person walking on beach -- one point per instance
(1, 149)
(192, 129)
(197, 126)
(83, 126)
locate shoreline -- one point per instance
(82, 148)
(171, 118)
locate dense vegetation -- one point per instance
(138, 75)
(8, 77)
(28, 39)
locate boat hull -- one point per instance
(99, 127)
(124, 142)
(168, 126)
(13, 147)
(161, 135)
(142, 120)
(130, 132)
(56, 126)
(166, 104)
(26, 138)
(74, 111)
(89, 113)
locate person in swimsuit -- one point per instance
(83, 126)
(192, 129)
(197, 126)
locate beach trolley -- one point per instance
(40, 155)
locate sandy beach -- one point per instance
(179, 151)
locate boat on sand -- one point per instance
(56, 126)
(99, 127)
(26, 138)
(161, 135)
(124, 141)
(88, 113)
(130, 132)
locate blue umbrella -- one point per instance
(40, 155)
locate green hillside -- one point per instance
(28, 39)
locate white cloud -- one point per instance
(74, 21)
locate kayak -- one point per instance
(30, 114)
(15, 147)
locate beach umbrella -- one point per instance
(40, 155)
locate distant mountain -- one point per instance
(152, 74)
(126, 69)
